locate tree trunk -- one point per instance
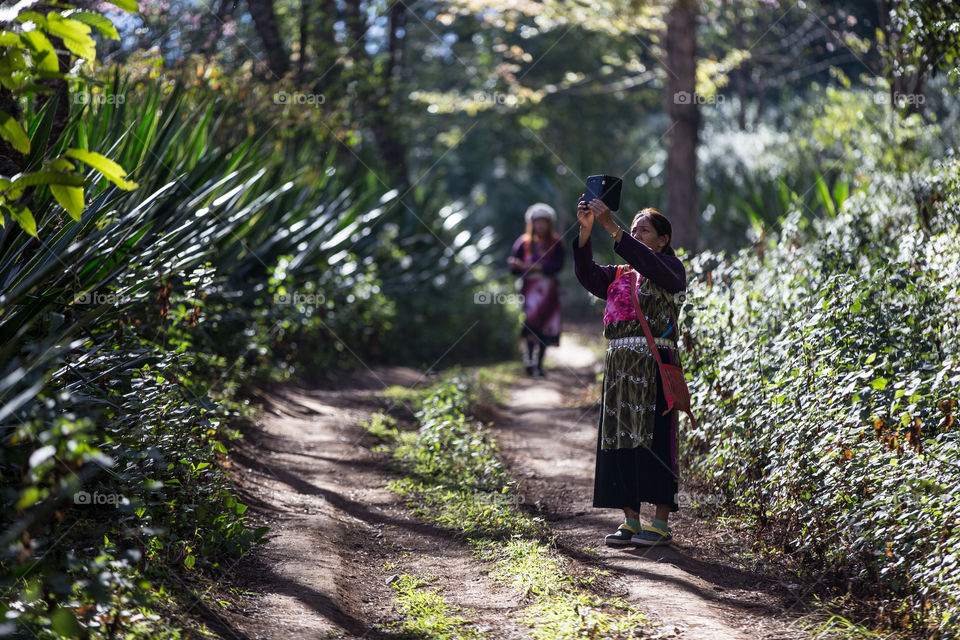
(376, 103)
(325, 53)
(265, 23)
(357, 78)
(12, 161)
(386, 131)
(906, 92)
(356, 23)
(304, 39)
(681, 104)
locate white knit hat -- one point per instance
(540, 210)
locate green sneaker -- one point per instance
(651, 536)
(622, 538)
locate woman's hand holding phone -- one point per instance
(602, 214)
(584, 215)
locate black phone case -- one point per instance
(607, 188)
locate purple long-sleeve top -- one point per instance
(665, 270)
(551, 263)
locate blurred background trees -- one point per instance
(500, 104)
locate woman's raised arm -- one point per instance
(594, 277)
(665, 270)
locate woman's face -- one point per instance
(541, 226)
(644, 231)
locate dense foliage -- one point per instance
(826, 362)
(133, 311)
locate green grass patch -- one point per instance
(493, 383)
(409, 397)
(486, 386)
(382, 427)
(427, 615)
(473, 514)
(452, 471)
(453, 477)
(561, 606)
(529, 567)
(583, 615)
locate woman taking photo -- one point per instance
(537, 255)
(636, 444)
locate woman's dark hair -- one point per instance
(660, 224)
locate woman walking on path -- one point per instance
(636, 444)
(537, 255)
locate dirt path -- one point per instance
(339, 534)
(551, 446)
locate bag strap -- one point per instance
(653, 346)
(643, 321)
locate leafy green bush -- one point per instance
(827, 367)
(128, 332)
(451, 449)
(30, 65)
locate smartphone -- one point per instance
(607, 188)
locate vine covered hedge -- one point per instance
(826, 364)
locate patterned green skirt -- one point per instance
(630, 380)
